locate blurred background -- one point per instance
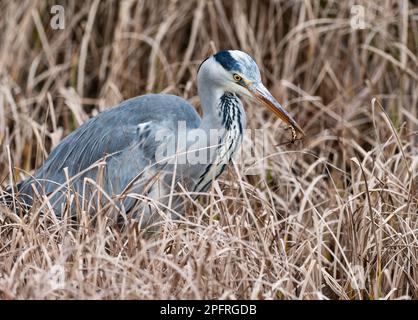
(343, 200)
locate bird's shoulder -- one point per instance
(159, 107)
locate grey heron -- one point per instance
(122, 145)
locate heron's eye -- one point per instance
(237, 77)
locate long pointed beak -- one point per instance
(260, 92)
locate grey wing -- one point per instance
(124, 135)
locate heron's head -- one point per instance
(236, 71)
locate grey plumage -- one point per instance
(116, 136)
(122, 146)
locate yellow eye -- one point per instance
(237, 77)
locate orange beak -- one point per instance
(260, 92)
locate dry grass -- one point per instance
(333, 217)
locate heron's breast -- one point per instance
(233, 121)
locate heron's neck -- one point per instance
(221, 109)
(222, 112)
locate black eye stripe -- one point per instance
(227, 61)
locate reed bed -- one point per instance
(334, 216)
